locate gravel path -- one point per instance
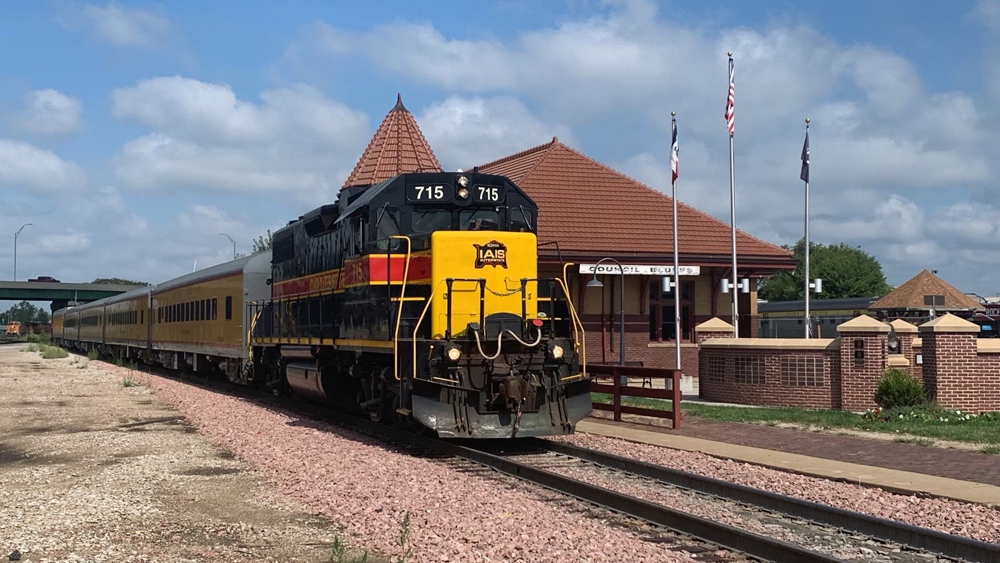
(93, 470)
(367, 489)
(966, 519)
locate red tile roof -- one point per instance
(911, 294)
(587, 206)
(398, 147)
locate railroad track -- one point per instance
(566, 469)
(546, 463)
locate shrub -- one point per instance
(53, 352)
(92, 355)
(898, 389)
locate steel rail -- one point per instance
(710, 531)
(942, 543)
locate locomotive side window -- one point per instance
(215, 308)
(229, 307)
(521, 220)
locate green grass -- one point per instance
(920, 422)
(990, 450)
(93, 354)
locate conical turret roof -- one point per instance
(398, 147)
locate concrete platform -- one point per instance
(889, 479)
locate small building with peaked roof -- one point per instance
(589, 211)
(923, 296)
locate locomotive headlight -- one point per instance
(453, 353)
(556, 351)
(463, 193)
(463, 181)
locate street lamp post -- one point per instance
(232, 241)
(597, 283)
(17, 234)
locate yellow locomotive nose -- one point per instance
(487, 272)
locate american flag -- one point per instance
(730, 122)
(674, 153)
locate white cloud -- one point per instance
(465, 132)
(878, 134)
(50, 113)
(202, 137)
(117, 25)
(23, 165)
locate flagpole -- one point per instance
(732, 204)
(677, 267)
(805, 164)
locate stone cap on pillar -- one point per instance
(715, 324)
(949, 323)
(863, 323)
(901, 326)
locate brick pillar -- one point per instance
(906, 333)
(950, 360)
(712, 328)
(863, 358)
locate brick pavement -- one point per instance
(964, 465)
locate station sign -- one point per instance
(639, 269)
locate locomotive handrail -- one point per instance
(402, 301)
(416, 327)
(582, 339)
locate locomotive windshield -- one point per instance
(479, 220)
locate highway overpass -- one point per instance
(60, 294)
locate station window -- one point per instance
(229, 307)
(662, 324)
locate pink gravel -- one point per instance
(365, 489)
(965, 519)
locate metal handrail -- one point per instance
(420, 321)
(402, 301)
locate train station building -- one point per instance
(589, 211)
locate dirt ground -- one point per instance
(94, 469)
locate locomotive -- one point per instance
(415, 300)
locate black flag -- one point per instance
(804, 175)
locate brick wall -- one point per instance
(957, 375)
(768, 377)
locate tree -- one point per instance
(846, 272)
(25, 312)
(118, 281)
(263, 243)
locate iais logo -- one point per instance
(493, 253)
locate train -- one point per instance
(414, 301)
(15, 329)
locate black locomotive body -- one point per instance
(418, 299)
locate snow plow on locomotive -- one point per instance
(418, 299)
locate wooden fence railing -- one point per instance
(599, 384)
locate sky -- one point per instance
(133, 133)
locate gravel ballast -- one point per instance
(367, 489)
(965, 519)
